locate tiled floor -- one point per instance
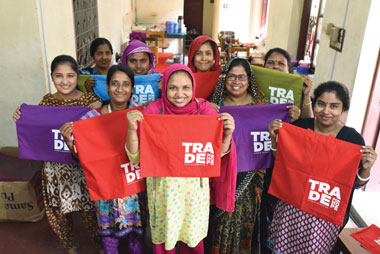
(38, 237)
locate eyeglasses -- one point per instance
(233, 77)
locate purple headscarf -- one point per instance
(135, 47)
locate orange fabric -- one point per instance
(206, 82)
(314, 173)
(180, 145)
(100, 143)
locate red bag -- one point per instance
(314, 173)
(369, 238)
(180, 145)
(100, 143)
(206, 83)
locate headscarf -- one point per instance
(222, 188)
(135, 47)
(163, 103)
(221, 91)
(194, 46)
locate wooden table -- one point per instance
(348, 244)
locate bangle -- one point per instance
(273, 149)
(362, 179)
(307, 104)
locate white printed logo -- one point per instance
(320, 192)
(132, 171)
(377, 241)
(197, 153)
(280, 95)
(143, 94)
(59, 143)
(261, 141)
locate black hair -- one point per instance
(212, 44)
(182, 71)
(96, 43)
(121, 68)
(241, 62)
(339, 89)
(61, 59)
(280, 51)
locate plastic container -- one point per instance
(170, 27)
(302, 69)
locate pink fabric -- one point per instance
(168, 108)
(222, 189)
(194, 46)
(182, 247)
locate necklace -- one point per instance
(333, 132)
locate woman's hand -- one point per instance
(17, 114)
(228, 129)
(159, 85)
(89, 84)
(133, 117)
(228, 124)
(294, 113)
(95, 105)
(132, 142)
(215, 106)
(273, 128)
(66, 131)
(307, 86)
(368, 158)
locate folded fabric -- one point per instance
(369, 238)
(278, 86)
(314, 172)
(81, 80)
(146, 88)
(251, 133)
(38, 132)
(100, 88)
(180, 145)
(100, 143)
(206, 82)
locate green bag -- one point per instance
(279, 87)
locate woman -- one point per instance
(232, 232)
(120, 217)
(101, 52)
(139, 58)
(178, 86)
(203, 55)
(63, 185)
(279, 59)
(331, 100)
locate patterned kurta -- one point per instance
(294, 231)
(64, 185)
(179, 209)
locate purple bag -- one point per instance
(38, 132)
(251, 135)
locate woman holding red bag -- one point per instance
(292, 230)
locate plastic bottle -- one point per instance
(180, 19)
